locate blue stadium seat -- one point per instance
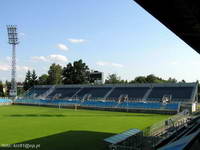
(104, 104)
(95, 92)
(131, 92)
(180, 93)
(5, 101)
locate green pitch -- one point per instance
(66, 129)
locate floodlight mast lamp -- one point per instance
(13, 40)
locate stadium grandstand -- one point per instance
(160, 98)
(183, 18)
(180, 131)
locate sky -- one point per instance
(112, 36)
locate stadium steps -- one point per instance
(47, 93)
(27, 93)
(105, 97)
(77, 92)
(147, 94)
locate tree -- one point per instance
(153, 79)
(68, 73)
(182, 81)
(27, 82)
(124, 81)
(33, 80)
(43, 79)
(113, 79)
(30, 80)
(172, 80)
(78, 73)
(1, 89)
(55, 74)
(139, 79)
(8, 87)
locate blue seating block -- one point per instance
(104, 104)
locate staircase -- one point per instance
(147, 94)
(105, 97)
(85, 97)
(26, 94)
(77, 92)
(47, 93)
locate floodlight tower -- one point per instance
(13, 40)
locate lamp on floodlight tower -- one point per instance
(13, 40)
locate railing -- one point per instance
(159, 130)
(103, 104)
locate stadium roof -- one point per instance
(181, 16)
(193, 84)
(122, 137)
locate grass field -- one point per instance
(66, 129)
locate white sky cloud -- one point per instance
(100, 63)
(109, 64)
(63, 47)
(57, 58)
(71, 40)
(8, 58)
(117, 65)
(174, 62)
(51, 58)
(6, 67)
(23, 68)
(39, 58)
